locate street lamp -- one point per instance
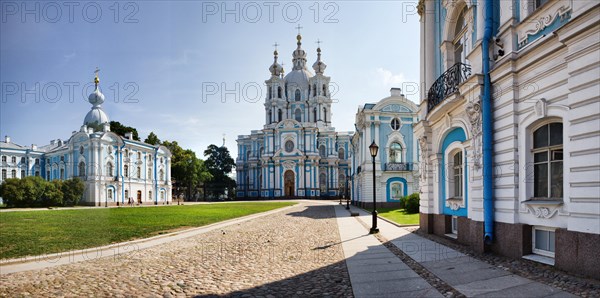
(374, 148)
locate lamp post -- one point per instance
(374, 148)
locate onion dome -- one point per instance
(276, 69)
(96, 117)
(319, 65)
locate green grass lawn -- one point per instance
(399, 216)
(24, 233)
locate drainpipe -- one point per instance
(121, 174)
(488, 191)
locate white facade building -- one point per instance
(113, 168)
(512, 164)
(389, 123)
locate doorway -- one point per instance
(288, 178)
(139, 197)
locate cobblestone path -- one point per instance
(295, 252)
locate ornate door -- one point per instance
(288, 178)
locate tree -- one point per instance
(152, 139)
(187, 171)
(72, 191)
(12, 193)
(219, 164)
(121, 130)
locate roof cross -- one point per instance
(298, 27)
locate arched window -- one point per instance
(323, 183)
(161, 175)
(395, 152)
(149, 177)
(81, 169)
(81, 150)
(324, 90)
(315, 114)
(4, 174)
(460, 38)
(62, 174)
(126, 153)
(270, 117)
(248, 154)
(298, 115)
(37, 161)
(314, 90)
(322, 151)
(13, 159)
(270, 92)
(37, 173)
(279, 115)
(396, 190)
(278, 92)
(297, 95)
(109, 194)
(109, 169)
(548, 161)
(341, 153)
(325, 115)
(126, 170)
(22, 173)
(22, 159)
(13, 174)
(139, 172)
(47, 174)
(456, 183)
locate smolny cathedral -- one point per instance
(297, 153)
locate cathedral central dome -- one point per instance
(298, 78)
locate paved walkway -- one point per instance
(469, 276)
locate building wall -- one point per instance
(548, 74)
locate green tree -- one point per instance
(219, 164)
(53, 195)
(187, 171)
(152, 139)
(12, 193)
(72, 190)
(121, 130)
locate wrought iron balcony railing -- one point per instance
(398, 166)
(447, 84)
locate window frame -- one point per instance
(539, 251)
(549, 150)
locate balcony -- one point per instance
(398, 166)
(447, 84)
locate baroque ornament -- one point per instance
(473, 110)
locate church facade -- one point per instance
(388, 123)
(114, 169)
(297, 153)
(509, 128)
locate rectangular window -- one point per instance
(543, 241)
(539, 3)
(454, 224)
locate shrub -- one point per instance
(72, 190)
(34, 191)
(411, 203)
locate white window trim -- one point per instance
(541, 251)
(448, 154)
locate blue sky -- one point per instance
(158, 60)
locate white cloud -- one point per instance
(389, 79)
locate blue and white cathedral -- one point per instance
(113, 168)
(297, 154)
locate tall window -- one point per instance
(315, 114)
(127, 194)
(3, 174)
(460, 38)
(161, 175)
(13, 159)
(548, 161)
(109, 194)
(314, 90)
(22, 159)
(323, 182)
(13, 174)
(22, 173)
(341, 153)
(81, 169)
(139, 155)
(81, 150)
(47, 175)
(395, 152)
(324, 90)
(109, 169)
(139, 172)
(279, 115)
(3, 158)
(278, 92)
(37, 161)
(457, 175)
(298, 115)
(149, 177)
(270, 93)
(126, 170)
(62, 158)
(150, 195)
(62, 174)
(37, 173)
(322, 151)
(297, 95)
(396, 190)
(324, 114)
(270, 117)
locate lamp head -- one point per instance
(373, 148)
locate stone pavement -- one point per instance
(470, 277)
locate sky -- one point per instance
(192, 71)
